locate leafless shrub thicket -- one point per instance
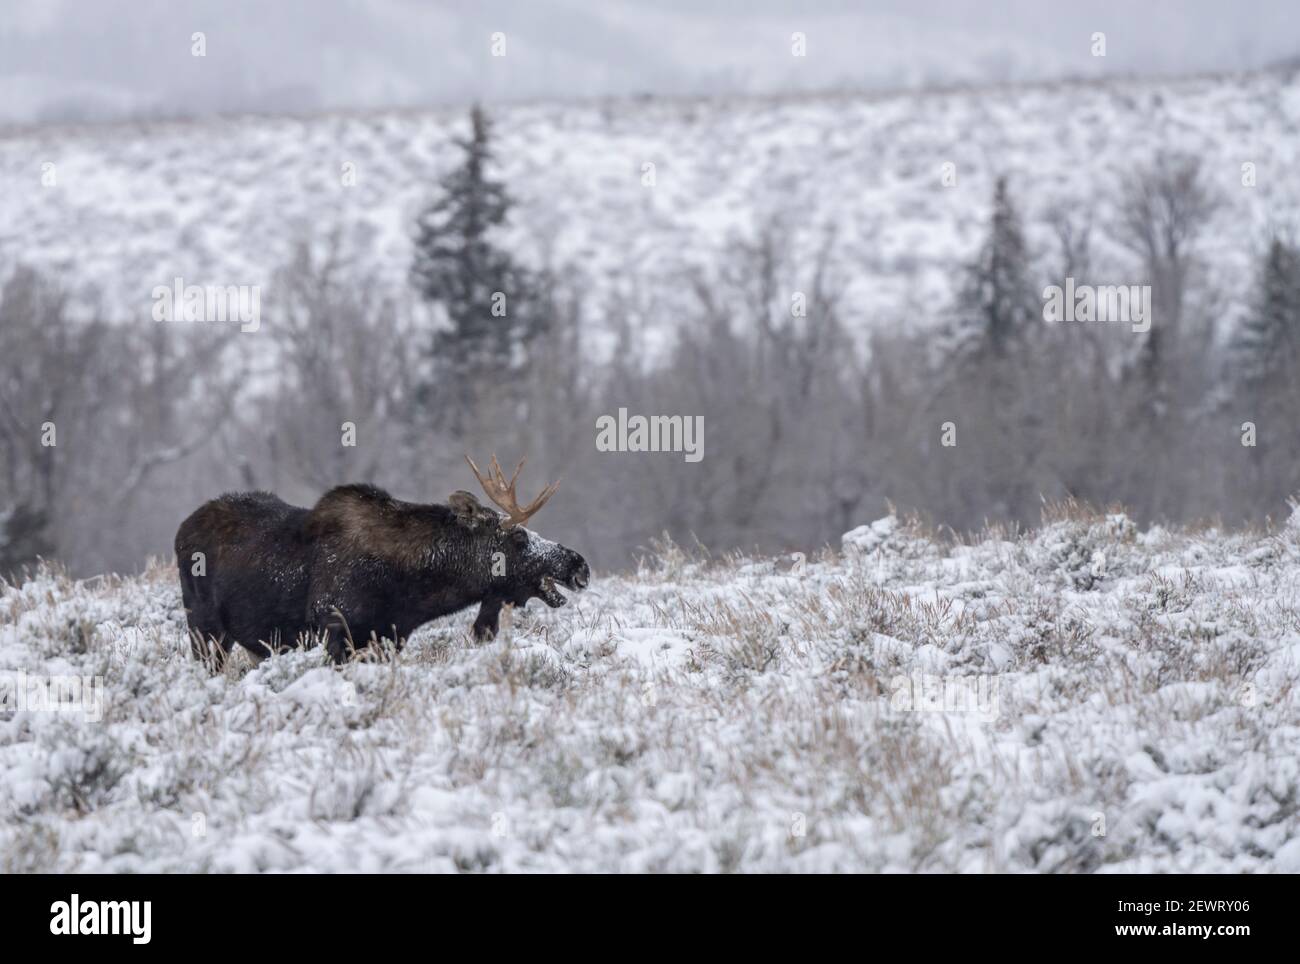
(806, 433)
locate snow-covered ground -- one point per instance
(128, 207)
(1116, 701)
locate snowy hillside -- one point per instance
(133, 206)
(1117, 701)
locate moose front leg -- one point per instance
(338, 643)
(485, 625)
(331, 624)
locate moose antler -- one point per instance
(503, 493)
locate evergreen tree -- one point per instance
(997, 296)
(23, 538)
(1268, 338)
(458, 265)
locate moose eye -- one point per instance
(519, 538)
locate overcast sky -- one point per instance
(73, 59)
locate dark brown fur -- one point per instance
(358, 566)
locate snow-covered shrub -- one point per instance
(1084, 550)
(696, 717)
(889, 537)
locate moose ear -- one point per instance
(466, 507)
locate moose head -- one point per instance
(524, 564)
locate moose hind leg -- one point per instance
(209, 649)
(208, 643)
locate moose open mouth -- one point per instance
(548, 594)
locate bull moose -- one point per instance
(361, 566)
